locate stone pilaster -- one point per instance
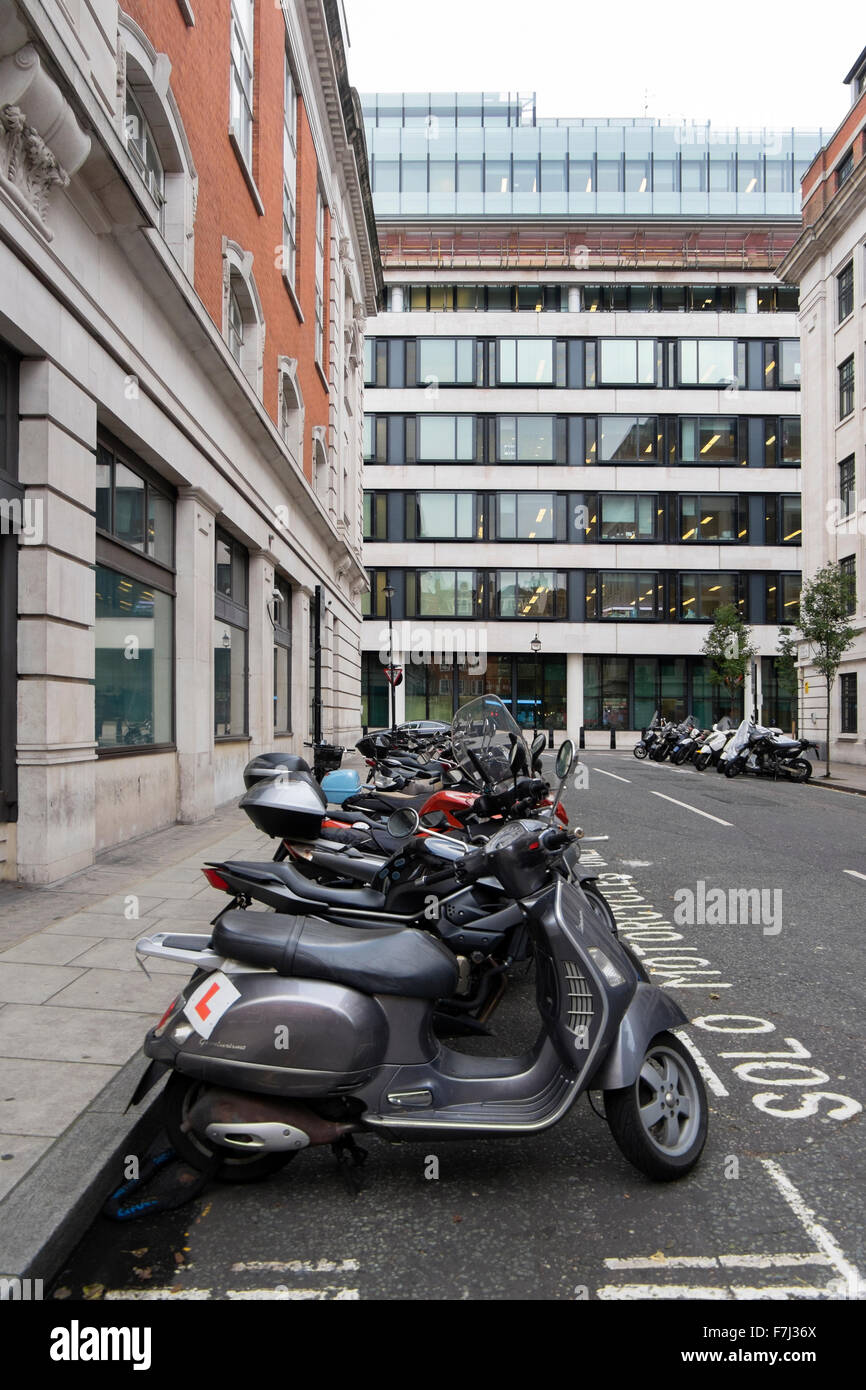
(194, 619)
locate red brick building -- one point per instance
(187, 261)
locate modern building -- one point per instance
(828, 262)
(187, 260)
(582, 410)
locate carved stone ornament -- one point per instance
(27, 165)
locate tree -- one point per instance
(825, 605)
(729, 650)
(786, 666)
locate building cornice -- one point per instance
(819, 237)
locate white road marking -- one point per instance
(284, 1295)
(612, 774)
(855, 873)
(296, 1266)
(716, 1261)
(818, 1233)
(735, 1292)
(637, 863)
(156, 1295)
(686, 807)
(714, 1082)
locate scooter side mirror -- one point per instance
(403, 823)
(517, 757)
(564, 759)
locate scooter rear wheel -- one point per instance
(660, 1121)
(179, 1096)
(800, 770)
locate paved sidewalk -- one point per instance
(74, 1004)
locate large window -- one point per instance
(526, 516)
(230, 631)
(290, 165)
(440, 516)
(709, 439)
(626, 517)
(701, 595)
(707, 362)
(623, 595)
(628, 439)
(446, 361)
(446, 438)
(241, 111)
(848, 696)
(526, 361)
(847, 491)
(845, 168)
(627, 362)
(143, 151)
(282, 617)
(708, 518)
(845, 291)
(134, 632)
(526, 439)
(375, 516)
(442, 593)
(530, 594)
(846, 387)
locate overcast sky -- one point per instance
(747, 64)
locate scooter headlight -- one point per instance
(606, 966)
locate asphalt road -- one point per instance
(775, 1209)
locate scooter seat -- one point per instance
(381, 960)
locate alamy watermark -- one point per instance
(729, 907)
(23, 517)
(421, 645)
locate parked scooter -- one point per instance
(356, 1008)
(712, 747)
(649, 737)
(766, 752)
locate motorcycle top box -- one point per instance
(268, 766)
(291, 806)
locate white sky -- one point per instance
(734, 63)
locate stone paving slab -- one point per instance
(130, 991)
(18, 1153)
(43, 1097)
(33, 984)
(46, 1032)
(46, 949)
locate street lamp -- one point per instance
(535, 644)
(389, 594)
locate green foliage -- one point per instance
(729, 651)
(786, 662)
(823, 623)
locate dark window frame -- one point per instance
(848, 484)
(229, 610)
(848, 702)
(845, 292)
(846, 379)
(283, 643)
(848, 568)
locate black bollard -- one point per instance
(613, 738)
(581, 743)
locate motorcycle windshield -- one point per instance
(483, 734)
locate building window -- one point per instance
(848, 566)
(790, 519)
(708, 518)
(243, 320)
(627, 362)
(530, 594)
(845, 291)
(847, 492)
(844, 169)
(848, 693)
(446, 362)
(707, 362)
(375, 438)
(526, 516)
(320, 280)
(625, 517)
(134, 632)
(142, 149)
(375, 516)
(628, 439)
(374, 603)
(526, 362)
(623, 596)
(846, 387)
(446, 438)
(282, 618)
(711, 439)
(702, 594)
(443, 594)
(790, 436)
(526, 439)
(231, 627)
(290, 163)
(241, 108)
(291, 410)
(789, 363)
(440, 516)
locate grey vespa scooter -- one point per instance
(297, 1032)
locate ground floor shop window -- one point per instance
(375, 713)
(134, 640)
(230, 679)
(623, 692)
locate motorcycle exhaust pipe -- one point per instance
(260, 1124)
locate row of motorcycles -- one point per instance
(731, 749)
(331, 995)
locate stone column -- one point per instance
(574, 299)
(574, 694)
(395, 299)
(261, 652)
(751, 299)
(194, 620)
(302, 693)
(56, 600)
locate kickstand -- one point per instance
(350, 1160)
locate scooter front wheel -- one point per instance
(180, 1095)
(601, 906)
(640, 750)
(660, 1121)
